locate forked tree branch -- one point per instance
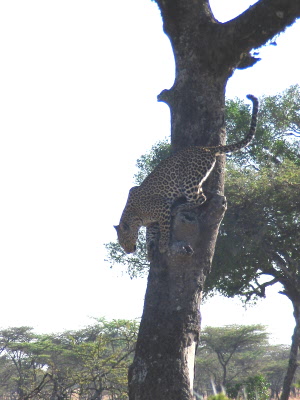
(251, 29)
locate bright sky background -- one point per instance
(78, 87)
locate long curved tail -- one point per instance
(243, 143)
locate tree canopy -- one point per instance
(229, 342)
(90, 363)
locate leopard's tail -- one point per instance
(243, 143)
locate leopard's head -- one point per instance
(127, 236)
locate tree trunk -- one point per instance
(224, 366)
(163, 367)
(293, 364)
(206, 53)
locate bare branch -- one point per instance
(37, 390)
(260, 289)
(262, 22)
(282, 264)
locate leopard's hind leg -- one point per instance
(194, 197)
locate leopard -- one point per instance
(181, 175)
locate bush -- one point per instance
(219, 396)
(254, 388)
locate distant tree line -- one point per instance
(86, 364)
(92, 363)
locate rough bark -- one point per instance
(288, 276)
(293, 363)
(164, 363)
(206, 53)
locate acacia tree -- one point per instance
(259, 240)
(229, 341)
(22, 373)
(243, 362)
(88, 362)
(206, 54)
(263, 248)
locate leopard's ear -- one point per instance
(133, 189)
(116, 227)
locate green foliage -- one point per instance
(93, 362)
(228, 359)
(147, 162)
(235, 390)
(297, 385)
(274, 366)
(20, 361)
(253, 388)
(104, 352)
(219, 396)
(232, 338)
(228, 352)
(278, 124)
(260, 231)
(136, 264)
(90, 362)
(257, 388)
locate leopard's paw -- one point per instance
(182, 249)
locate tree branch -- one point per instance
(261, 22)
(260, 289)
(37, 390)
(279, 260)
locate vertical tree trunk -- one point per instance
(163, 367)
(293, 364)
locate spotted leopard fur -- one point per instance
(180, 175)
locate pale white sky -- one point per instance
(78, 87)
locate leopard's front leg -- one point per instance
(164, 227)
(152, 234)
(163, 217)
